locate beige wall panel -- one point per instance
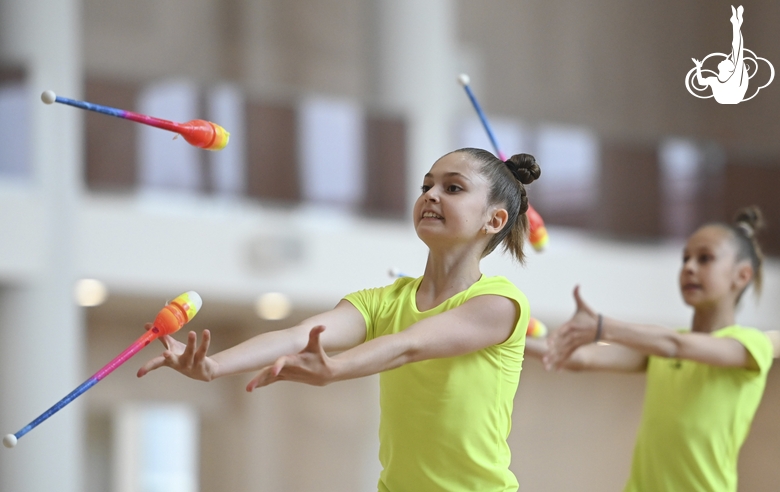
(751, 181)
(386, 162)
(306, 45)
(574, 431)
(617, 66)
(758, 470)
(630, 190)
(153, 39)
(272, 153)
(111, 160)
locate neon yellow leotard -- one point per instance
(696, 417)
(445, 422)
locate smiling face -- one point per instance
(453, 204)
(710, 271)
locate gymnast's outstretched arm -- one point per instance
(535, 347)
(582, 329)
(593, 357)
(346, 329)
(476, 324)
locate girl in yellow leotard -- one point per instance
(449, 345)
(704, 383)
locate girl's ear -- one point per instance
(498, 220)
(744, 275)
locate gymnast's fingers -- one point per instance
(555, 359)
(566, 344)
(276, 369)
(559, 347)
(555, 339)
(314, 345)
(581, 304)
(203, 349)
(167, 341)
(186, 358)
(153, 364)
(550, 360)
(263, 378)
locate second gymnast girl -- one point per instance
(704, 384)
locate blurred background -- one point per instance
(336, 109)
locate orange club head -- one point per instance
(205, 134)
(538, 232)
(177, 313)
(536, 329)
(539, 238)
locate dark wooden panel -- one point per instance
(755, 181)
(386, 156)
(630, 190)
(11, 74)
(272, 155)
(111, 153)
(581, 217)
(709, 198)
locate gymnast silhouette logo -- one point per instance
(730, 84)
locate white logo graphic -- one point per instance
(735, 70)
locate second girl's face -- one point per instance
(709, 272)
(453, 202)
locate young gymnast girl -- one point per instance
(703, 384)
(449, 345)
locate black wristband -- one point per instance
(598, 328)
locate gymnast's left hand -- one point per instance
(579, 330)
(310, 366)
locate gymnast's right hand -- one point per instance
(186, 359)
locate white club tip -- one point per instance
(196, 299)
(464, 79)
(393, 272)
(9, 441)
(48, 97)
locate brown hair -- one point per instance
(747, 222)
(506, 187)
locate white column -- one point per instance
(41, 330)
(415, 73)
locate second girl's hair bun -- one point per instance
(524, 168)
(750, 220)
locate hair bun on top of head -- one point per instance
(750, 220)
(524, 168)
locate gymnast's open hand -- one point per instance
(311, 366)
(186, 359)
(579, 330)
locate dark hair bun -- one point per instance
(749, 219)
(524, 168)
